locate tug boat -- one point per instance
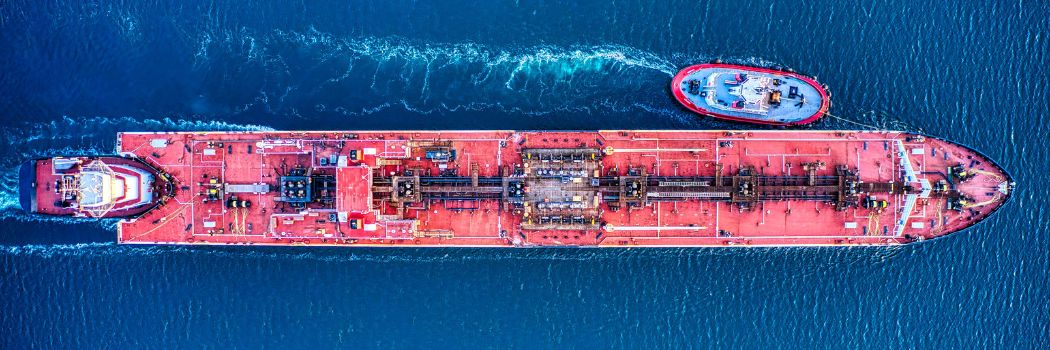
(750, 94)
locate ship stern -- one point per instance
(27, 185)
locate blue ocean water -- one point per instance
(72, 73)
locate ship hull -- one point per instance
(562, 189)
(703, 89)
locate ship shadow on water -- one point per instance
(826, 256)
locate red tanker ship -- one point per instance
(522, 189)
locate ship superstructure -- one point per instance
(538, 188)
(98, 187)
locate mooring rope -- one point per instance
(850, 121)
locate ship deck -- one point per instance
(397, 188)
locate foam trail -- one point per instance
(51, 250)
(347, 75)
(380, 73)
(551, 59)
(9, 189)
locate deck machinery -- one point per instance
(601, 188)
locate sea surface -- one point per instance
(74, 72)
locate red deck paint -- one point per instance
(392, 195)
